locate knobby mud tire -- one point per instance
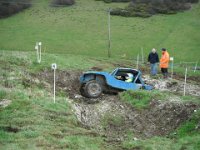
(92, 89)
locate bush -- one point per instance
(147, 8)
(62, 2)
(9, 7)
(164, 7)
(120, 12)
(138, 11)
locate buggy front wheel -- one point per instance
(93, 89)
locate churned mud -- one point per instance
(115, 119)
(174, 85)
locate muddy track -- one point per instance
(114, 119)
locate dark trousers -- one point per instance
(164, 72)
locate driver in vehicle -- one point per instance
(129, 77)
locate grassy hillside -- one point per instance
(82, 29)
(76, 39)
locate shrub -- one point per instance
(130, 12)
(62, 2)
(9, 7)
(121, 12)
(147, 8)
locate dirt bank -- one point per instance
(114, 119)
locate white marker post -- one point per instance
(172, 66)
(54, 67)
(185, 81)
(195, 68)
(40, 51)
(38, 48)
(37, 51)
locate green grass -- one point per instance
(189, 98)
(140, 99)
(82, 30)
(190, 127)
(41, 124)
(28, 61)
(2, 94)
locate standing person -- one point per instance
(153, 59)
(164, 62)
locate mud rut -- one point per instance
(113, 119)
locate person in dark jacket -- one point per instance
(153, 59)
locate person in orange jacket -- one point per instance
(164, 62)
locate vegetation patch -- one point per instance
(112, 120)
(140, 99)
(56, 3)
(10, 7)
(190, 128)
(110, 1)
(2, 94)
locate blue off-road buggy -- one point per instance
(94, 83)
